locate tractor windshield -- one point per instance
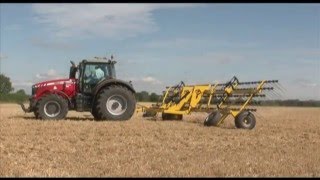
(93, 74)
(99, 71)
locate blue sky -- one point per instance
(157, 45)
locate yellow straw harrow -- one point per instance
(215, 99)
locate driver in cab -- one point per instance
(99, 73)
(95, 76)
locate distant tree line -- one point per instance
(6, 91)
(145, 96)
(7, 95)
(290, 102)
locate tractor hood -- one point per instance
(57, 84)
(53, 82)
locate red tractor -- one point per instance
(92, 86)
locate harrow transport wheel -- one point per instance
(245, 120)
(51, 106)
(212, 119)
(114, 103)
(167, 116)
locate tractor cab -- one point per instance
(92, 72)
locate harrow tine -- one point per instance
(242, 95)
(267, 98)
(257, 82)
(255, 102)
(279, 94)
(260, 99)
(273, 94)
(270, 95)
(257, 113)
(280, 88)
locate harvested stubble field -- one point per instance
(285, 142)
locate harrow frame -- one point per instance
(183, 99)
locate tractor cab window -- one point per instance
(77, 75)
(94, 73)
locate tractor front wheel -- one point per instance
(51, 106)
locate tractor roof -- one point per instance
(99, 60)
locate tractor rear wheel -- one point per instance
(245, 120)
(51, 106)
(212, 119)
(114, 103)
(95, 114)
(167, 116)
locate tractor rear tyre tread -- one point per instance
(100, 111)
(95, 114)
(40, 112)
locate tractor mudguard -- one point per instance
(61, 93)
(108, 82)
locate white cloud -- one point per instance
(13, 27)
(148, 83)
(214, 57)
(143, 80)
(107, 20)
(25, 85)
(308, 52)
(151, 80)
(312, 84)
(176, 43)
(302, 89)
(22, 83)
(304, 82)
(3, 56)
(56, 45)
(191, 42)
(51, 72)
(49, 75)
